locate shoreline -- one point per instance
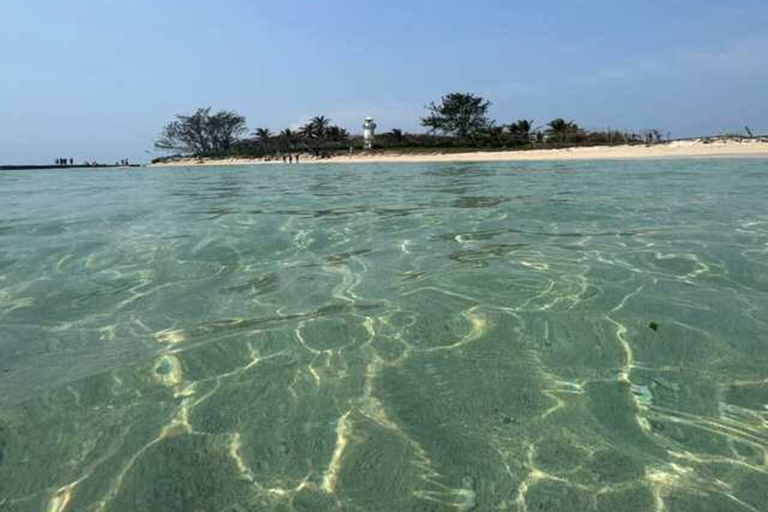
(698, 148)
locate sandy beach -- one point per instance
(696, 148)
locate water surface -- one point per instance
(495, 336)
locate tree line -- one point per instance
(458, 120)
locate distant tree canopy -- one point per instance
(462, 115)
(202, 133)
(521, 127)
(318, 136)
(316, 128)
(458, 122)
(320, 130)
(561, 130)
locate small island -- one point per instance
(458, 129)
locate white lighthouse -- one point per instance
(369, 127)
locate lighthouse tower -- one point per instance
(369, 127)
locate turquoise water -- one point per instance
(497, 336)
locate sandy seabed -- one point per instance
(698, 148)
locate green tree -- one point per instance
(336, 134)
(287, 139)
(264, 138)
(316, 128)
(561, 130)
(521, 127)
(463, 115)
(202, 133)
(520, 131)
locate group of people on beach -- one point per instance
(294, 158)
(122, 162)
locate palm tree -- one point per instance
(521, 130)
(263, 136)
(560, 129)
(307, 131)
(521, 127)
(397, 134)
(316, 128)
(321, 124)
(287, 138)
(336, 134)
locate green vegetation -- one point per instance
(318, 137)
(461, 115)
(203, 133)
(458, 122)
(561, 130)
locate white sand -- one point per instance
(698, 148)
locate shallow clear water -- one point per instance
(499, 336)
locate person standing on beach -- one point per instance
(297, 158)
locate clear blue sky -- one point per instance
(97, 79)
